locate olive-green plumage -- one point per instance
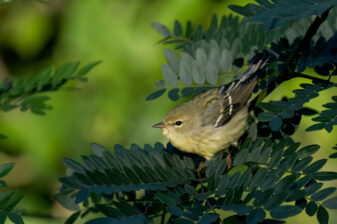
(213, 120)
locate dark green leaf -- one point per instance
(155, 94)
(285, 211)
(208, 218)
(333, 155)
(178, 29)
(5, 169)
(241, 10)
(307, 151)
(275, 123)
(301, 164)
(331, 203)
(265, 116)
(17, 219)
(314, 167)
(3, 216)
(73, 218)
(323, 194)
(74, 165)
(174, 94)
(311, 208)
(255, 216)
(324, 176)
(322, 215)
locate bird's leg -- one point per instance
(201, 165)
(229, 160)
(231, 149)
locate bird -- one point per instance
(215, 119)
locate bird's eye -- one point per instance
(178, 123)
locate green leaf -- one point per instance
(208, 218)
(333, 155)
(178, 29)
(155, 94)
(285, 211)
(169, 75)
(323, 194)
(301, 164)
(314, 167)
(5, 169)
(5, 197)
(74, 165)
(87, 68)
(198, 75)
(174, 94)
(172, 59)
(211, 73)
(311, 208)
(271, 106)
(265, 116)
(322, 215)
(185, 73)
(225, 60)
(276, 123)
(255, 216)
(331, 203)
(161, 29)
(245, 11)
(307, 151)
(325, 175)
(73, 218)
(2, 136)
(17, 219)
(3, 216)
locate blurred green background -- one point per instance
(111, 107)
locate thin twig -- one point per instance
(305, 43)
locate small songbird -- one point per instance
(213, 120)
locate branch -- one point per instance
(305, 43)
(285, 75)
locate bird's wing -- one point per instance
(222, 103)
(221, 106)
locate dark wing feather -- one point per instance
(222, 103)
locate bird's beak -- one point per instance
(159, 125)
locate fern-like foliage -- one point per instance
(9, 199)
(327, 118)
(276, 13)
(265, 175)
(26, 93)
(272, 175)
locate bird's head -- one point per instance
(177, 123)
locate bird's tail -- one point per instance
(256, 66)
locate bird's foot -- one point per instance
(201, 165)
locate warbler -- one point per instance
(213, 120)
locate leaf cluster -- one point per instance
(272, 175)
(9, 199)
(276, 13)
(26, 93)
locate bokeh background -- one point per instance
(111, 107)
